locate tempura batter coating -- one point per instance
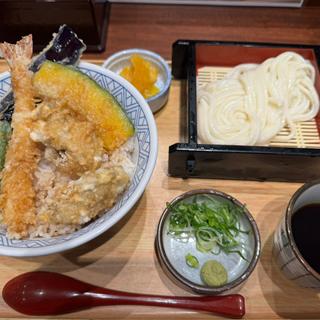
(77, 202)
(79, 148)
(58, 175)
(17, 191)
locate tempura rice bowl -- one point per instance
(144, 155)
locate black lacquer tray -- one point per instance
(292, 162)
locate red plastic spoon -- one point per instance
(46, 293)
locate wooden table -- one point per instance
(156, 27)
(123, 258)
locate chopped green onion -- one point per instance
(214, 224)
(192, 261)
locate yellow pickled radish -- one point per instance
(142, 74)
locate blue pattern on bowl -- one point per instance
(138, 117)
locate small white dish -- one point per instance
(121, 59)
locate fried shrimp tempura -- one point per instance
(18, 196)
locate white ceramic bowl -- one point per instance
(121, 59)
(146, 146)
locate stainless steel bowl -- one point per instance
(171, 252)
(121, 59)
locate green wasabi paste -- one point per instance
(213, 273)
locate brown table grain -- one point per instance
(156, 27)
(124, 258)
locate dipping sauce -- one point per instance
(305, 229)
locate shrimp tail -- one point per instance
(21, 51)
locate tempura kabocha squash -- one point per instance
(71, 87)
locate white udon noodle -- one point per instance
(252, 103)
